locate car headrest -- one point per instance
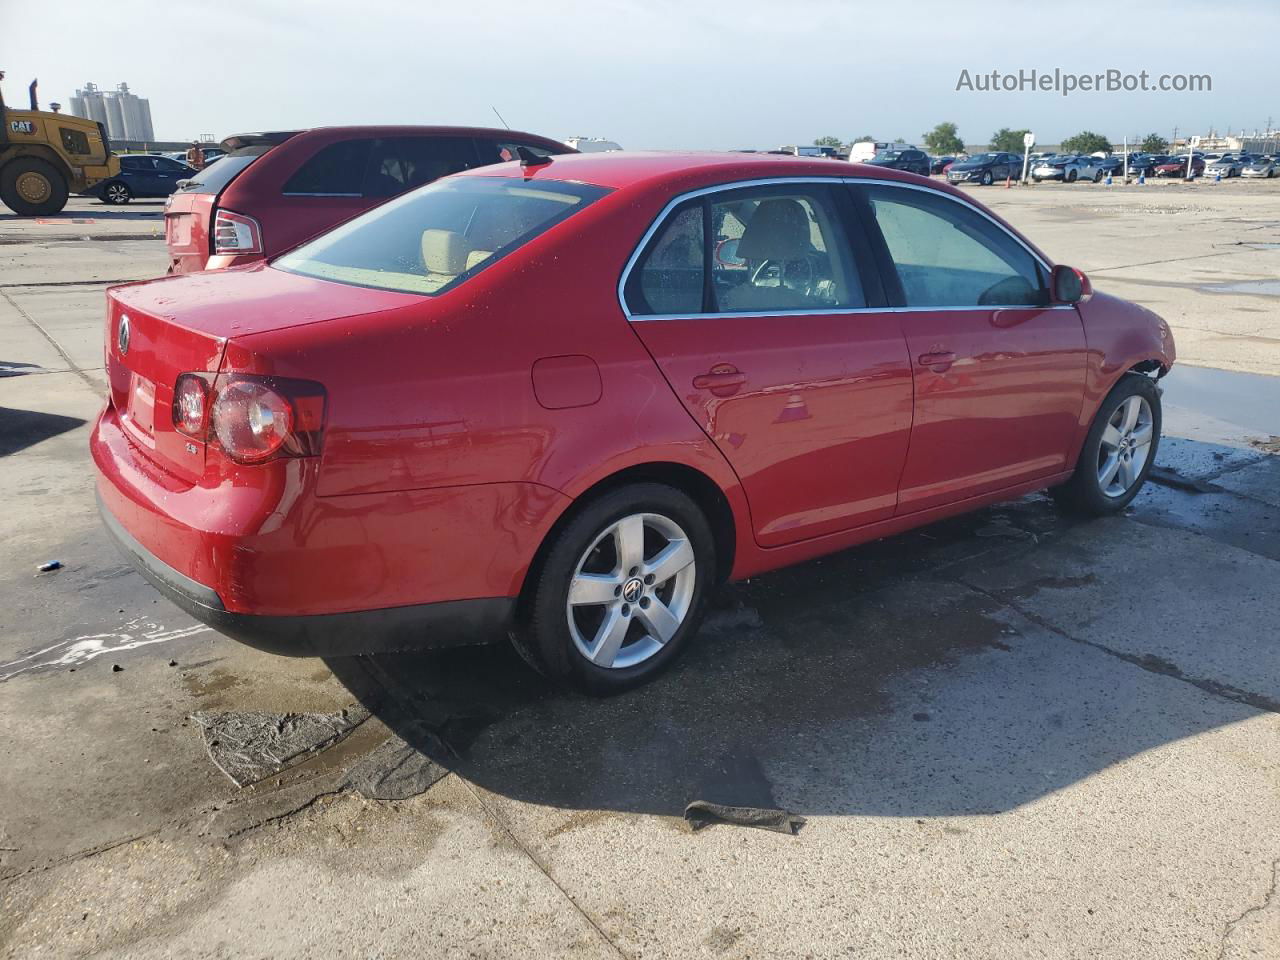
(778, 230)
(444, 251)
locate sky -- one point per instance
(655, 74)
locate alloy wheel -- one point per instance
(117, 192)
(1125, 446)
(631, 590)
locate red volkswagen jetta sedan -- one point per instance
(563, 399)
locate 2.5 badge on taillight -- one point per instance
(252, 419)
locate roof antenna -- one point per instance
(499, 116)
(530, 159)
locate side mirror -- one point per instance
(1069, 285)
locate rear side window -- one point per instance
(431, 240)
(336, 170)
(947, 255)
(669, 277)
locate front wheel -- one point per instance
(31, 187)
(621, 590)
(986, 179)
(1071, 176)
(117, 193)
(1118, 452)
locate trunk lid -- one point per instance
(181, 324)
(144, 353)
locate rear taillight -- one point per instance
(191, 405)
(234, 233)
(252, 419)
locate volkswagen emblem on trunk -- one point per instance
(122, 335)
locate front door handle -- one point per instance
(723, 380)
(938, 362)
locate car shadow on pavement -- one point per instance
(135, 210)
(874, 681)
(20, 429)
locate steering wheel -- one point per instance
(782, 273)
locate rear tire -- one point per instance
(32, 187)
(1118, 451)
(116, 193)
(620, 591)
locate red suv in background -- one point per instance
(274, 190)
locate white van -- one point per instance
(591, 144)
(864, 151)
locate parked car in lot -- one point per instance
(274, 190)
(1177, 167)
(912, 161)
(544, 398)
(939, 164)
(142, 175)
(1144, 164)
(1260, 167)
(1068, 169)
(985, 168)
(1110, 166)
(1226, 166)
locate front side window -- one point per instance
(74, 141)
(780, 248)
(397, 164)
(772, 249)
(434, 238)
(947, 255)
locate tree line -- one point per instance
(945, 139)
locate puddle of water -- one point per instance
(1266, 288)
(1239, 405)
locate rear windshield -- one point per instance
(434, 238)
(223, 170)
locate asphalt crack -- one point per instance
(1148, 662)
(66, 357)
(1267, 900)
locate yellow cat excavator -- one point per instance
(44, 156)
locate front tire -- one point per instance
(32, 187)
(1071, 176)
(1118, 451)
(987, 179)
(621, 590)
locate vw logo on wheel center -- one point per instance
(631, 590)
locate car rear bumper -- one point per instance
(278, 567)
(421, 626)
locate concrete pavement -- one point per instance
(1012, 734)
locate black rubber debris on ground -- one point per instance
(393, 771)
(249, 747)
(1168, 477)
(702, 813)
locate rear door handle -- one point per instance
(723, 380)
(938, 362)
